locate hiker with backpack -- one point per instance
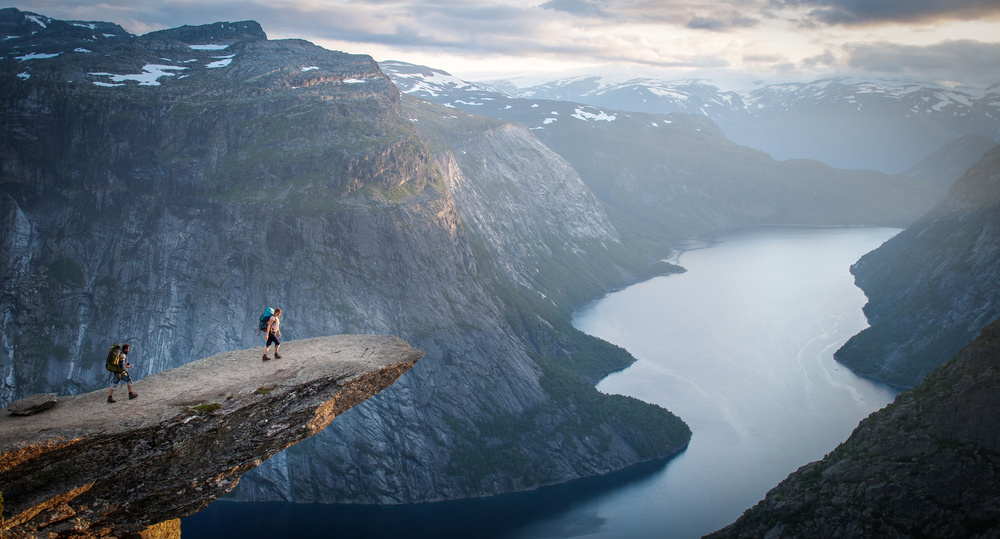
(117, 363)
(271, 324)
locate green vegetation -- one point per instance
(652, 430)
(264, 390)
(442, 127)
(493, 448)
(571, 362)
(207, 408)
(500, 450)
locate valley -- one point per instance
(163, 188)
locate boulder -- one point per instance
(33, 404)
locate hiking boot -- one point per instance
(132, 395)
(110, 399)
(277, 355)
(265, 358)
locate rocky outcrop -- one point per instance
(93, 468)
(933, 287)
(927, 465)
(32, 404)
(551, 426)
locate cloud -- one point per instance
(755, 35)
(724, 22)
(865, 12)
(580, 8)
(827, 58)
(972, 61)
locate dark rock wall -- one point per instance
(927, 465)
(933, 287)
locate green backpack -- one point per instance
(114, 363)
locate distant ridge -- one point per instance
(948, 163)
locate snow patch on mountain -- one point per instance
(599, 116)
(150, 75)
(39, 20)
(36, 56)
(221, 61)
(209, 47)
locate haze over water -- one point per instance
(741, 348)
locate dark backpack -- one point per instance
(265, 318)
(114, 363)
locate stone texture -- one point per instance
(98, 469)
(32, 404)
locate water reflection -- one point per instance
(545, 512)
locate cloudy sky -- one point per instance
(948, 41)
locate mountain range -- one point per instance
(667, 177)
(163, 189)
(847, 123)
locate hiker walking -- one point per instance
(273, 330)
(118, 364)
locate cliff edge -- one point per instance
(92, 468)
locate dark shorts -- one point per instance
(120, 377)
(272, 339)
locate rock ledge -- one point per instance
(91, 468)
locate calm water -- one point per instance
(740, 347)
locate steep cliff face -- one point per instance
(163, 189)
(508, 187)
(933, 287)
(925, 466)
(522, 207)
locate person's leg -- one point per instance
(267, 346)
(276, 354)
(111, 390)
